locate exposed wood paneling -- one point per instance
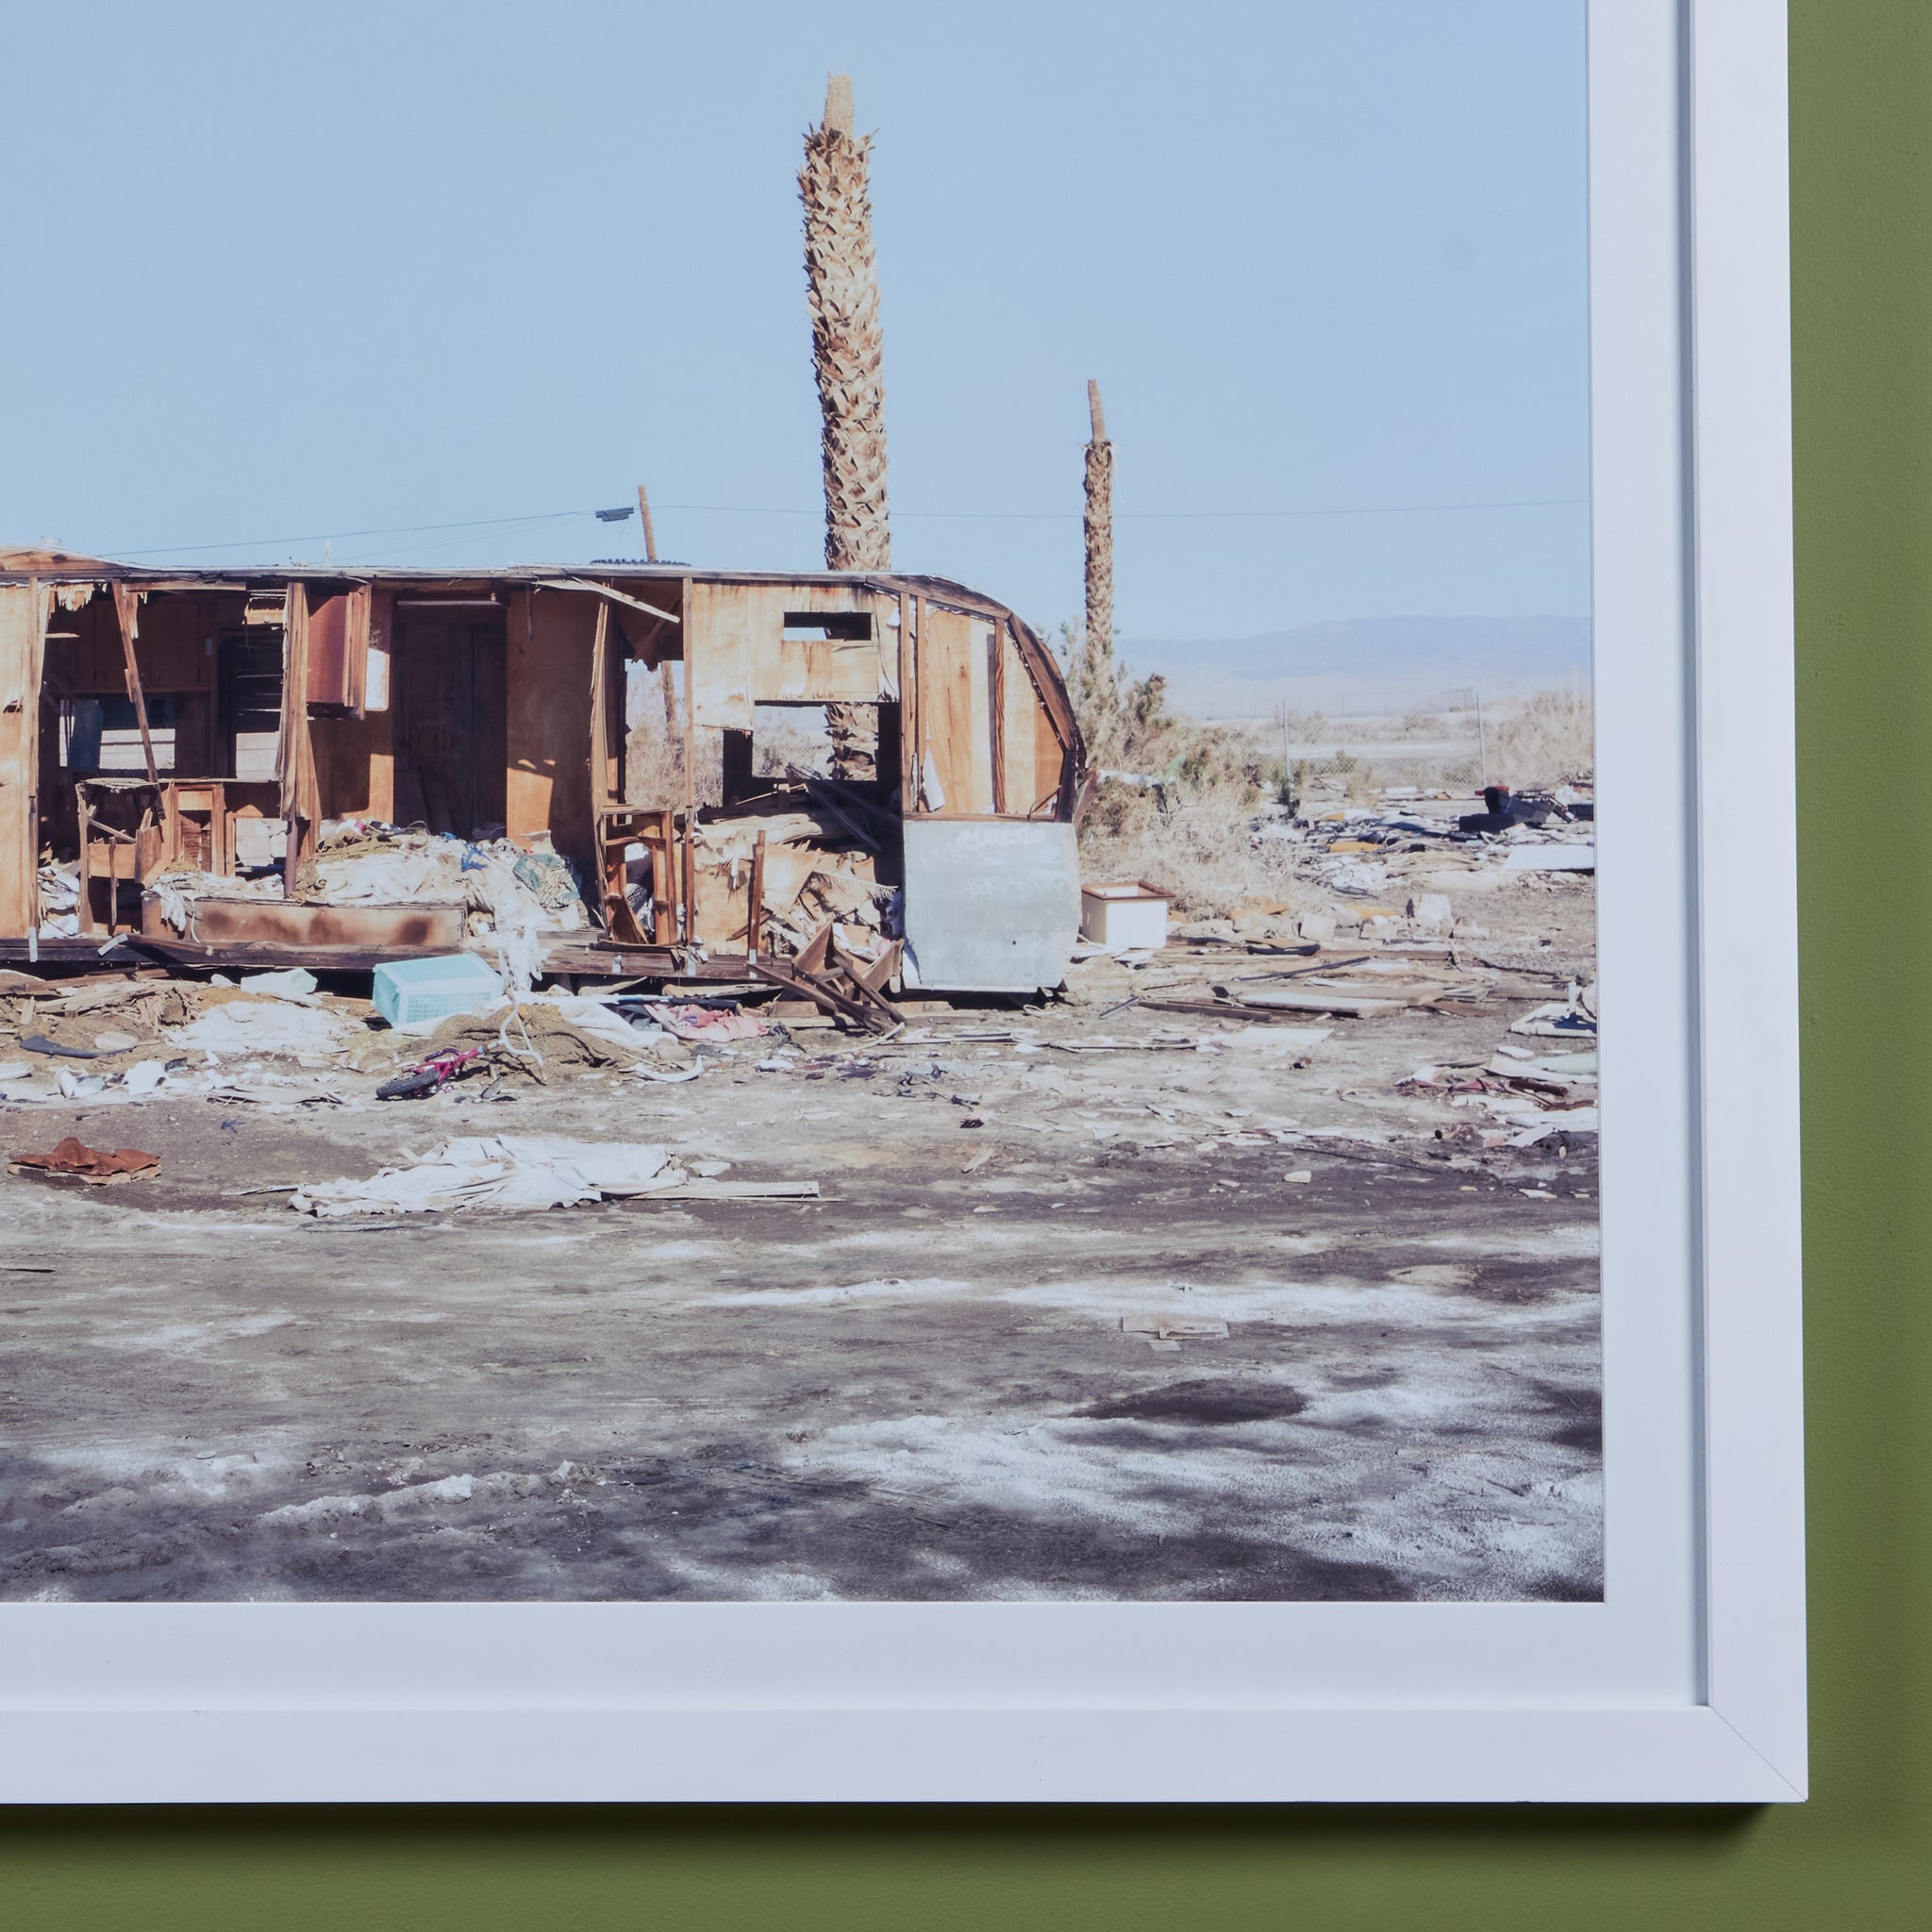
(339, 647)
(23, 633)
(175, 636)
(552, 638)
(128, 611)
(1024, 728)
(301, 803)
(953, 705)
(720, 651)
(450, 738)
(603, 792)
(354, 765)
(738, 654)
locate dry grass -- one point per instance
(1549, 741)
(1202, 854)
(1186, 828)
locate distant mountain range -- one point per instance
(1365, 664)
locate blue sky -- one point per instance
(286, 273)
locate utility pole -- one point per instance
(667, 692)
(842, 292)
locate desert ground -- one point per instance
(1096, 1302)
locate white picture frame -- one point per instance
(1686, 1685)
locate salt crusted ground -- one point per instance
(918, 1387)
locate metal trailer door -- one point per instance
(991, 905)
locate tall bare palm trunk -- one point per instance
(844, 294)
(1098, 524)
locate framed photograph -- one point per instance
(1108, 1116)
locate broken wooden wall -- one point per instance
(339, 645)
(174, 651)
(355, 748)
(551, 636)
(355, 765)
(23, 629)
(738, 656)
(954, 716)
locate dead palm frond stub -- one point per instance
(1098, 524)
(848, 358)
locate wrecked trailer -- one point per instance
(336, 768)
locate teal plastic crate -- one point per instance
(407, 991)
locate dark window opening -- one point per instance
(849, 627)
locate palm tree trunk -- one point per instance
(1099, 531)
(844, 295)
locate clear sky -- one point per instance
(291, 272)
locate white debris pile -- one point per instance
(272, 1026)
(499, 1171)
(59, 900)
(503, 889)
(501, 886)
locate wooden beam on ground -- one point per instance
(823, 996)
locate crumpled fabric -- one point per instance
(499, 1171)
(709, 1022)
(557, 1029)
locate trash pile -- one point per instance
(499, 1171)
(820, 867)
(1528, 1099)
(1386, 867)
(59, 899)
(507, 888)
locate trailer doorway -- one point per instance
(451, 723)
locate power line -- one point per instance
(552, 516)
(1018, 516)
(749, 509)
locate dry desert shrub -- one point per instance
(1549, 741)
(1181, 814)
(653, 766)
(1202, 853)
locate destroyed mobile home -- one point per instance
(284, 769)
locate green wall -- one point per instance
(1860, 1854)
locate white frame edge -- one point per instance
(1742, 579)
(1745, 1743)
